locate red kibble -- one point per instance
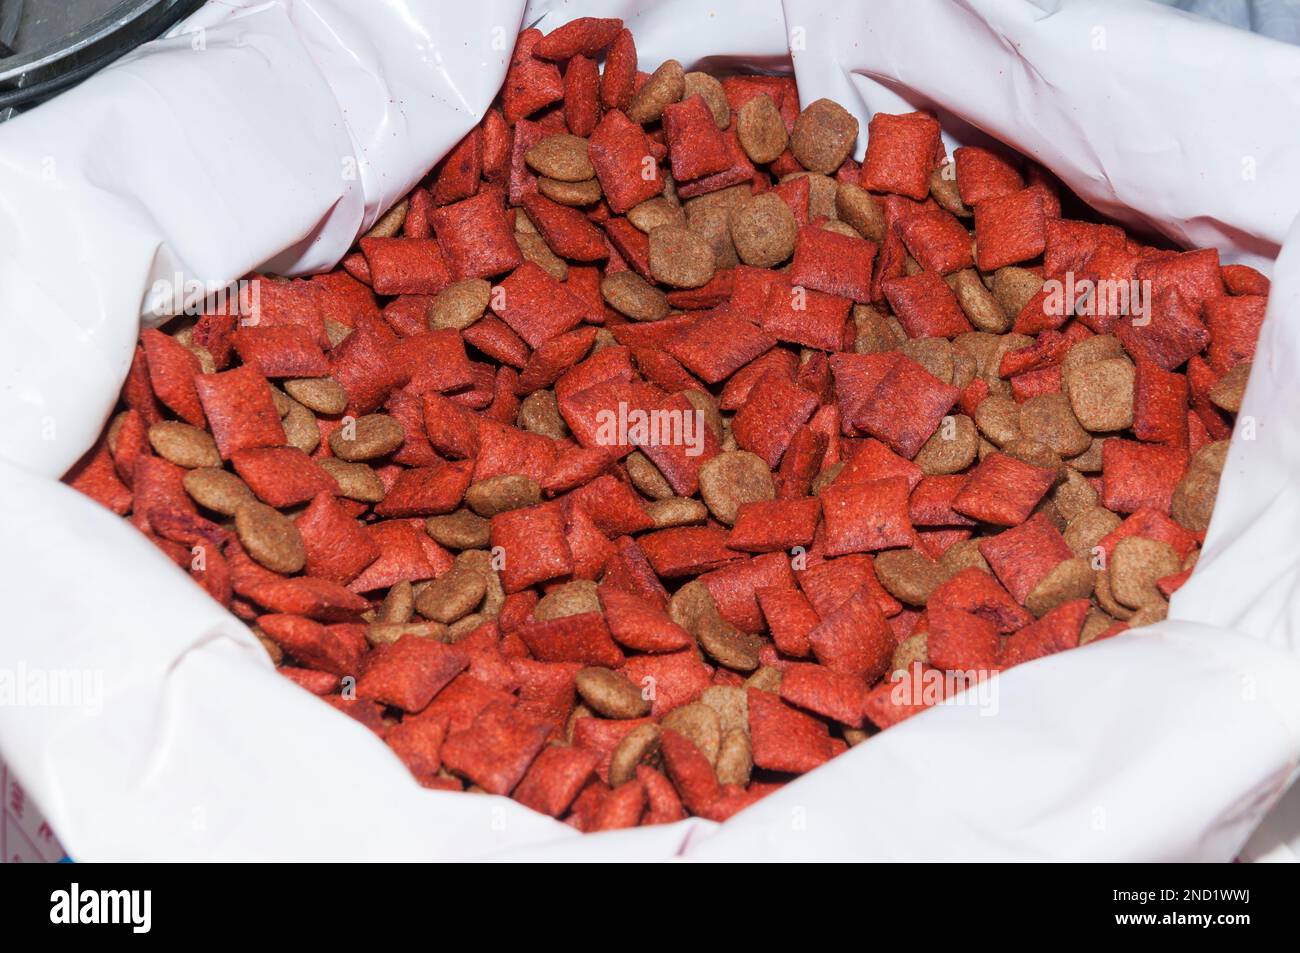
(901, 153)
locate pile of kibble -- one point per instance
(653, 451)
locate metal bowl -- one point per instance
(48, 45)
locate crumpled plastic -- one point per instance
(267, 135)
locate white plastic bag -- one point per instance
(212, 152)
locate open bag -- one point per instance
(267, 135)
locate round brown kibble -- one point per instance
(386, 633)
(283, 402)
(501, 494)
(692, 607)
(735, 758)
(679, 257)
(321, 395)
(1212, 456)
(1094, 625)
(1090, 460)
(677, 511)
(1088, 528)
(270, 537)
(908, 575)
(561, 156)
(1099, 347)
(459, 304)
(1194, 497)
(962, 555)
(639, 746)
(575, 194)
(823, 136)
(934, 354)
(540, 413)
(714, 96)
(572, 598)
(1135, 565)
(459, 530)
(1014, 287)
(913, 649)
(1101, 592)
(535, 249)
(356, 481)
(398, 604)
(184, 445)
(1048, 419)
(391, 222)
(632, 296)
(1073, 495)
(336, 332)
(654, 212)
(366, 438)
(979, 304)
(451, 596)
(943, 186)
(763, 230)
(823, 194)
(1033, 453)
(217, 490)
(646, 477)
(1229, 390)
(733, 478)
(951, 448)
(301, 429)
(766, 679)
(732, 705)
(856, 206)
(728, 646)
(610, 694)
(998, 419)
(1149, 614)
(698, 724)
(1101, 394)
(665, 86)
(1070, 579)
(761, 130)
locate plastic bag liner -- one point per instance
(269, 134)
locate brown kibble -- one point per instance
(1070, 579)
(398, 604)
(711, 224)
(273, 650)
(540, 413)
(823, 136)
(283, 402)
(368, 437)
(610, 694)
(451, 596)
(1212, 456)
(735, 758)
(1073, 495)
(459, 304)
(763, 230)
(677, 511)
(1094, 625)
(184, 445)
(357, 481)
(766, 679)
(732, 705)
(575, 194)
(270, 537)
(217, 490)
(728, 646)
(823, 192)
(913, 649)
(386, 633)
(1135, 565)
(1101, 592)
(645, 476)
(665, 86)
(943, 186)
(1149, 614)
(697, 723)
(321, 395)
(1014, 287)
(679, 257)
(464, 626)
(301, 429)
(535, 249)
(391, 222)
(964, 554)
(500, 494)
(711, 91)
(336, 332)
(654, 212)
(572, 598)
(1194, 496)
(859, 208)
(1099, 347)
(998, 419)
(639, 746)
(1090, 460)
(733, 478)
(1088, 528)
(632, 296)
(1048, 419)
(1229, 390)
(876, 332)
(1033, 453)
(951, 448)
(1101, 394)
(936, 355)
(761, 130)
(459, 530)
(562, 157)
(908, 575)
(979, 304)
